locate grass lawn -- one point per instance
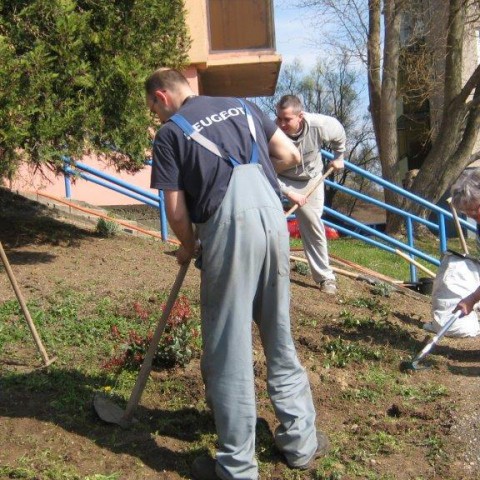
(384, 262)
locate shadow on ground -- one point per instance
(24, 222)
(64, 398)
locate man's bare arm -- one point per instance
(283, 153)
(466, 304)
(179, 220)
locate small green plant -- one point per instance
(426, 393)
(434, 391)
(301, 268)
(11, 330)
(98, 476)
(435, 447)
(16, 472)
(305, 321)
(349, 320)
(340, 353)
(382, 289)
(382, 442)
(330, 467)
(373, 304)
(379, 377)
(107, 228)
(178, 345)
(363, 393)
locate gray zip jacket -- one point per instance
(317, 130)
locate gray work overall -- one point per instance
(245, 276)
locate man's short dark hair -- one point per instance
(164, 78)
(290, 101)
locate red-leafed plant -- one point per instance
(178, 345)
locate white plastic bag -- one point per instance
(456, 278)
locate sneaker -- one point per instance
(322, 449)
(203, 468)
(329, 287)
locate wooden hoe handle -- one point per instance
(147, 363)
(458, 226)
(312, 189)
(414, 262)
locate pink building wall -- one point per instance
(28, 180)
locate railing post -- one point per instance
(68, 183)
(413, 268)
(163, 216)
(442, 232)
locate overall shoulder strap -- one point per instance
(248, 114)
(253, 133)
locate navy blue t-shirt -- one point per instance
(180, 163)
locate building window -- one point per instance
(241, 24)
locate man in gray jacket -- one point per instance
(309, 132)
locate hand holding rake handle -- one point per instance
(312, 189)
(111, 413)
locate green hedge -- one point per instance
(72, 73)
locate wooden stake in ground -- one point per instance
(414, 262)
(458, 227)
(46, 360)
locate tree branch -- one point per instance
(471, 84)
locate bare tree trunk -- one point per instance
(388, 123)
(437, 175)
(458, 131)
(453, 59)
(373, 65)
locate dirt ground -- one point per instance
(76, 258)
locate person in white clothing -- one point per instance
(466, 199)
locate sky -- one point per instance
(294, 34)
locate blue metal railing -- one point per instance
(117, 185)
(408, 247)
(384, 241)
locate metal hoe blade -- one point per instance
(110, 412)
(413, 365)
(105, 408)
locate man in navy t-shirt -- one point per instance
(215, 159)
(203, 176)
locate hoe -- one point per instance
(110, 412)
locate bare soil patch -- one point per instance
(45, 252)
